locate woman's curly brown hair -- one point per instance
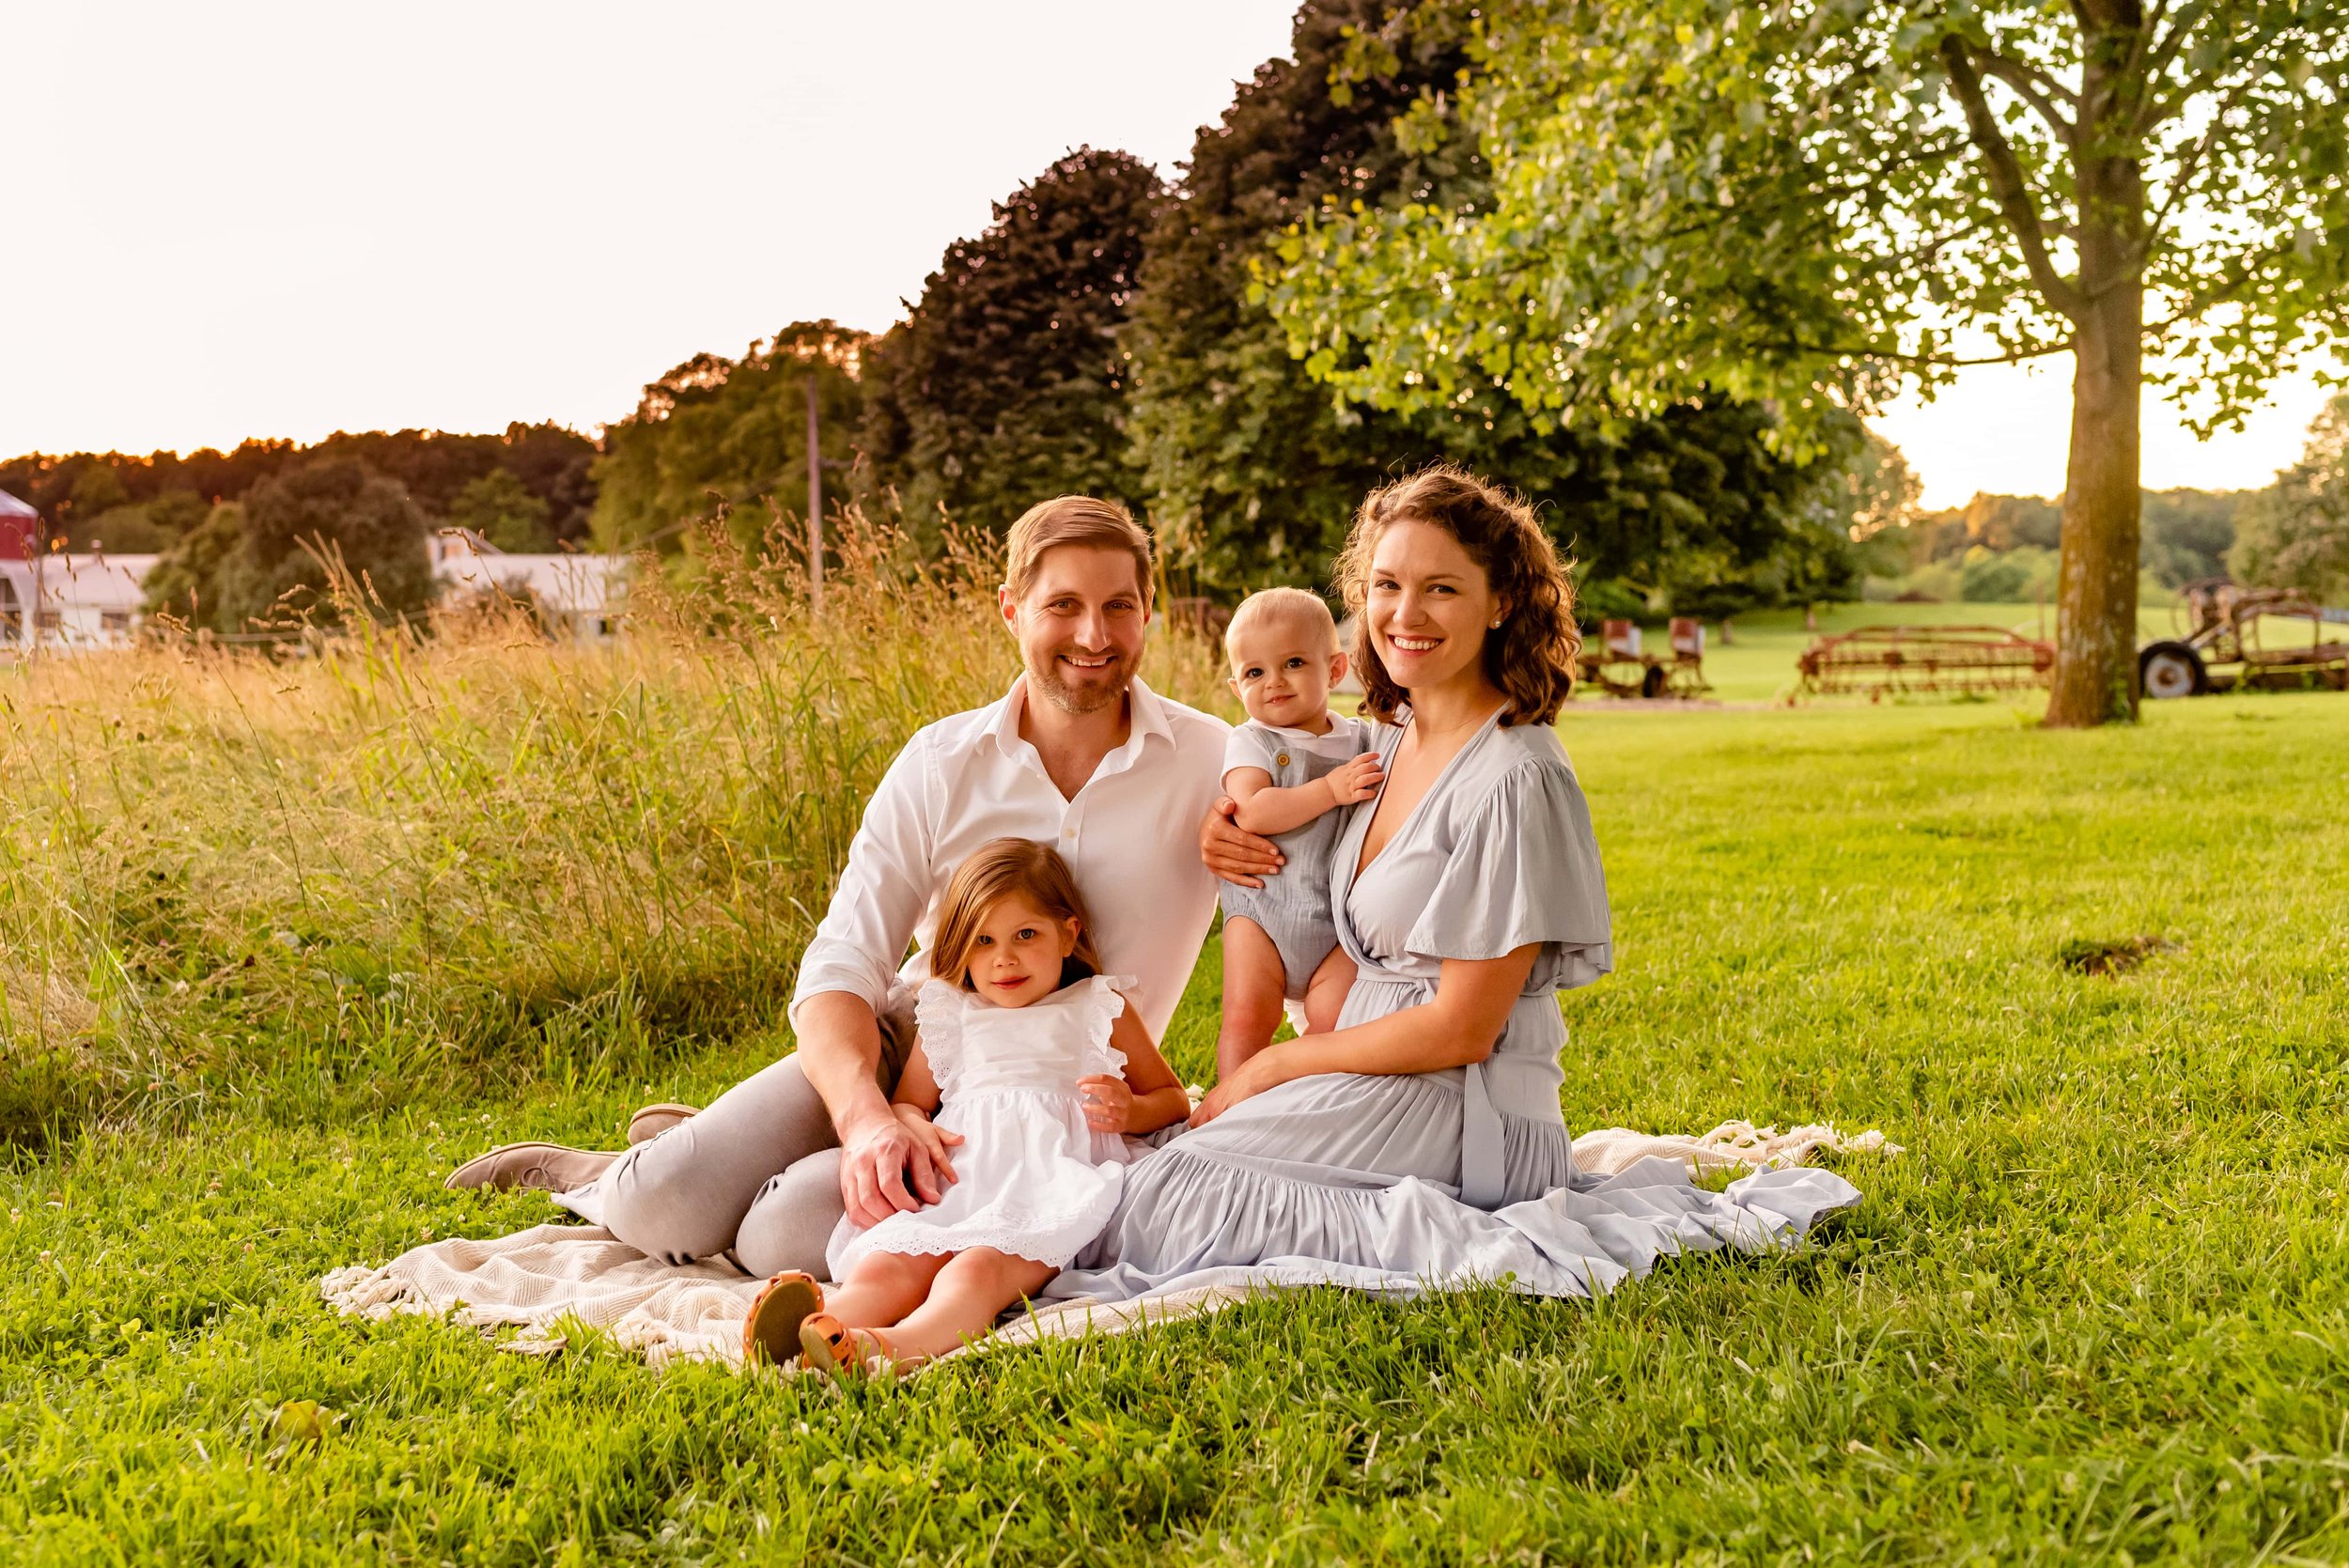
(1531, 655)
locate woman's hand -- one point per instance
(1109, 1102)
(1234, 853)
(1257, 1074)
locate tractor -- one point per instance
(2222, 645)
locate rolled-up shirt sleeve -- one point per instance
(882, 891)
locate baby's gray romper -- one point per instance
(1294, 907)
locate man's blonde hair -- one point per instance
(1282, 604)
(1075, 520)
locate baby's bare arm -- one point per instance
(1267, 809)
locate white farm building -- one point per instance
(75, 602)
(582, 597)
(64, 602)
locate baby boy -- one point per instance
(1289, 769)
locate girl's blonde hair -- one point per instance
(995, 871)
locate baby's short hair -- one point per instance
(1307, 609)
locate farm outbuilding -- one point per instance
(582, 597)
(57, 600)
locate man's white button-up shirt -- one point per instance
(1130, 837)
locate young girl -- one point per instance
(1042, 1069)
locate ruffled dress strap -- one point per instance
(1101, 1005)
(1524, 868)
(938, 1012)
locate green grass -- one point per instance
(2098, 1312)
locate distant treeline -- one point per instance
(238, 530)
(1106, 334)
(133, 504)
(2004, 549)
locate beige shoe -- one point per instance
(651, 1121)
(771, 1331)
(538, 1167)
(851, 1355)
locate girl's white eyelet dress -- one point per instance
(1034, 1180)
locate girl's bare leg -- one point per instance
(1252, 983)
(964, 1301)
(1324, 993)
(882, 1287)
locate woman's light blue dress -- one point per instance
(1400, 1182)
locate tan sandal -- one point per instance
(771, 1332)
(827, 1344)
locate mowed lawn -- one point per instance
(2098, 1311)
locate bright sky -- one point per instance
(253, 219)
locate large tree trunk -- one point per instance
(2095, 670)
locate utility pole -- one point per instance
(815, 500)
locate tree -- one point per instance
(1806, 203)
(2188, 533)
(1254, 468)
(2296, 533)
(719, 438)
(185, 582)
(327, 504)
(501, 509)
(1006, 382)
(141, 527)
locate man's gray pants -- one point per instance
(755, 1179)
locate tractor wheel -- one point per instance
(2167, 669)
(1652, 680)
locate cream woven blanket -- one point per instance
(550, 1280)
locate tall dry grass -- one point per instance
(335, 881)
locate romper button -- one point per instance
(1281, 761)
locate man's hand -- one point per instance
(1234, 853)
(876, 1160)
(1352, 783)
(1109, 1102)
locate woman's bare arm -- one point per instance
(1459, 1025)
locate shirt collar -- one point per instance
(1145, 715)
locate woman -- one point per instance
(1421, 1141)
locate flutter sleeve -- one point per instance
(1524, 868)
(938, 1011)
(1101, 1008)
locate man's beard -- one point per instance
(1077, 701)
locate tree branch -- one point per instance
(2035, 86)
(2157, 108)
(2006, 181)
(1827, 350)
(2186, 170)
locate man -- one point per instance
(1079, 753)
